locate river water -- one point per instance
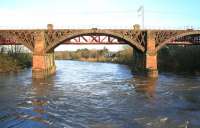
(98, 95)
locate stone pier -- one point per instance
(151, 56)
(43, 63)
(146, 62)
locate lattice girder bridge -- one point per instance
(42, 43)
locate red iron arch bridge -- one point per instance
(42, 43)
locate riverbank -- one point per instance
(179, 59)
(15, 63)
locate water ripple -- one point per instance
(98, 95)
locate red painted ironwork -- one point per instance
(7, 42)
(94, 40)
(186, 40)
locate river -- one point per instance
(98, 95)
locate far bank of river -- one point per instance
(177, 59)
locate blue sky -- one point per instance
(161, 14)
(99, 13)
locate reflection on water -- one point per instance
(145, 85)
(41, 90)
(98, 95)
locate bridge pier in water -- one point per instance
(147, 61)
(151, 56)
(43, 63)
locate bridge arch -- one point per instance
(160, 46)
(115, 35)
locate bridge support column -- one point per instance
(151, 56)
(139, 60)
(43, 63)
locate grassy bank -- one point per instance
(10, 63)
(14, 58)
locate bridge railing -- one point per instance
(146, 27)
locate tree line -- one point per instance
(14, 58)
(176, 58)
(104, 55)
(179, 58)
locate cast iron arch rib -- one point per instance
(176, 37)
(57, 37)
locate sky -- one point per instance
(159, 14)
